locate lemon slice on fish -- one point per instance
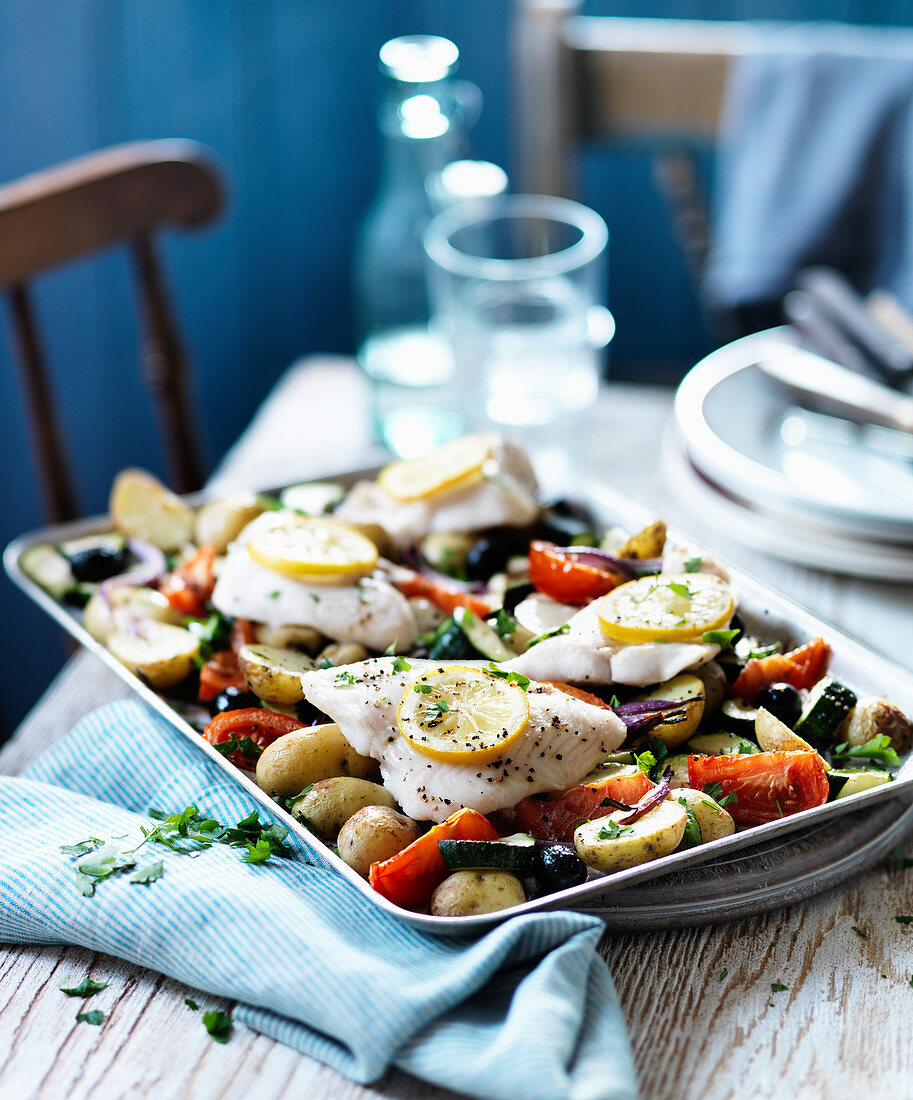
(459, 714)
(314, 550)
(452, 466)
(669, 609)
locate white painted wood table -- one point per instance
(703, 1017)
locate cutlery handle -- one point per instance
(839, 390)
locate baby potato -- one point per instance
(137, 603)
(466, 893)
(329, 804)
(302, 757)
(713, 820)
(158, 652)
(219, 522)
(142, 508)
(343, 653)
(288, 637)
(689, 691)
(373, 834)
(274, 674)
(652, 836)
(647, 543)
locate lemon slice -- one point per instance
(452, 466)
(315, 550)
(669, 609)
(462, 715)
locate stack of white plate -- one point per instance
(795, 483)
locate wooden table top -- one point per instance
(703, 1017)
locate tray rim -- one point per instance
(605, 499)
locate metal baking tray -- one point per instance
(764, 611)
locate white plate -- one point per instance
(746, 435)
(789, 539)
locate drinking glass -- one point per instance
(516, 286)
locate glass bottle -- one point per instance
(424, 117)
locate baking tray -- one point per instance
(764, 611)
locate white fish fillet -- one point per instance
(564, 739)
(506, 496)
(372, 612)
(584, 655)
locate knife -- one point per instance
(839, 391)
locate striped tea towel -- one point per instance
(527, 1010)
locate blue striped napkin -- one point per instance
(527, 1010)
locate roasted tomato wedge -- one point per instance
(411, 876)
(558, 572)
(251, 730)
(557, 816)
(445, 597)
(803, 668)
(222, 670)
(768, 785)
(189, 586)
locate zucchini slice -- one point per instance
(738, 716)
(481, 636)
(48, 568)
(843, 783)
(721, 744)
(488, 855)
(828, 703)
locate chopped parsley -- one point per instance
(692, 565)
(152, 872)
(862, 935)
(645, 761)
(504, 625)
(422, 689)
(614, 702)
(722, 638)
(681, 590)
(778, 987)
(878, 748)
(246, 746)
(218, 1024)
(613, 830)
(213, 632)
(723, 974)
(563, 629)
(85, 988)
(191, 1004)
(510, 677)
(400, 664)
(315, 597)
(795, 935)
(94, 1017)
(343, 678)
(692, 836)
(274, 595)
(324, 662)
(904, 919)
(435, 711)
(715, 791)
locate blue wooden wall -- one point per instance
(283, 91)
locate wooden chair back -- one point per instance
(580, 80)
(124, 194)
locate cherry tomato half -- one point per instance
(556, 817)
(802, 667)
(559, 573)
(261, 726)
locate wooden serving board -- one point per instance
(774, 875)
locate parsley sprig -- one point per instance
(715, 791)
(878, 748)
(510, 677)
(613, 830)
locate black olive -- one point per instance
(557, 868)
(233, 698)
(487, 556)
(783, 701)
(98, 563)
(515, 594)
(736, 623)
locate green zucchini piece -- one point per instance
(679, 766)
(111, 540)
(451, 644)
(481, 855)
(48, 568)
(481, 636)
(843, 783)
(828, 703)
(721, 744)
(738, 716)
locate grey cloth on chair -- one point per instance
(815, 164)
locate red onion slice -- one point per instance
(649, 800)
(151, 564)
(602, 559)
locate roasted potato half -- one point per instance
(158, 652)
(274, 674)
(465, 893)
(608, 847)
(688, 690)
(219, 522)
(329, 804)
(373, 834)
(142, 508)
(307, 756)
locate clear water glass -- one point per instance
(517, 285)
